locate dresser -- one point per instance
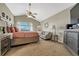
(71, 41)
(5, 43)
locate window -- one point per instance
(24, 26)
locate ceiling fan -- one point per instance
(29, 12)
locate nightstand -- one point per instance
(5, 43)
(10, 34)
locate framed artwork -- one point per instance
(3, 14)
(46, 25)
(6, 16)
(9, 19)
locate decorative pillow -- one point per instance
(12, 29)
(16, 29)
(8, 29)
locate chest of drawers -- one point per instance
(71, 41)
(4, 43)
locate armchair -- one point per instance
(45, 35)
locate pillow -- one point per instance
(16, 29)
(12, 29)
(8, 29)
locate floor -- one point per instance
(41, 48)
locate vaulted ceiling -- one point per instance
(43, 10)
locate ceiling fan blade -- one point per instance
(33, 16)
(27, 12)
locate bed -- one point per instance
(20, 38)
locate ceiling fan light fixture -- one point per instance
(29, 12)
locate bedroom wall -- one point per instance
(59, 20)
(25, 19)
(5, 9)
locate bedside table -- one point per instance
(11, 37)
(5, 43)
(10, 34)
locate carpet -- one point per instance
(41, 48)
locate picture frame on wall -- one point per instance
(46, 25)
(6, 16)
(3, 14)
(9, 19)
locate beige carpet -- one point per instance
(41, 48)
